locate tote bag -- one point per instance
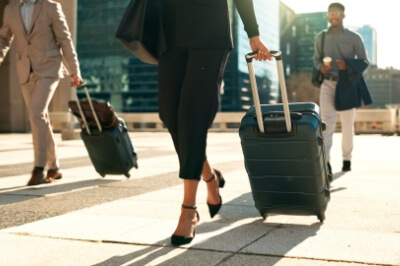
(140, 30)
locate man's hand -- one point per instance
(257, 45)
(341, 64)
(77, 80)
(325, 69)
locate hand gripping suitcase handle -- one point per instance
(91, 107)
(278, 57)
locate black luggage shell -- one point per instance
(109, 147)
(285, 160)
(111, 150)
(287, 171)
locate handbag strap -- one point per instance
(323, 43)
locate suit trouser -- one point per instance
(328, 113)
(189, 82)
(37, 93)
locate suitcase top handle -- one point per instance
(253, 83)
(276, 54)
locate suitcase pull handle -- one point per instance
(278, 56)
(91, 107)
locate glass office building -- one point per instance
(131, 86)
(370, 41)
(383, 85)
(237, 92)
(308, 25)
(298, 33)
(116, 75)
(288, 38)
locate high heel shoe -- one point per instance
(177, 240)
(214, 208)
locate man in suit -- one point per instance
(42, 40)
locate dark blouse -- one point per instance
(169, 16)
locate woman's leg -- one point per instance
(189, 81)
(171, 72)
(188, 219)
(212, 186)
(198, 106)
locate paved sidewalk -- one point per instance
(84, 219)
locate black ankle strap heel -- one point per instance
(189, 207)
(213, 209)
(177, 240)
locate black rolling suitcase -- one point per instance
(284, 153)
(109, 146)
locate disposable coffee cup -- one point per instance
(327, 61)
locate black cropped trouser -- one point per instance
(189, 82)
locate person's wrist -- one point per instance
(255, 38)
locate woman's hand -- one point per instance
(257, 45)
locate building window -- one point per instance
(288, 17)
(294, 31)
(288, 48)
(287, 70)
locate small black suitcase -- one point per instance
(284, 154)
(110, 148)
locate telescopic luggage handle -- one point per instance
(278, 57)
(91, 107)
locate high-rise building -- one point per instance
(383, 85)
(297, 32)
(288, 38)
(237, 92)
(370, 41)
(131, 86)
(307, 27)
(117, 75)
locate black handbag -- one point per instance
(140, 30)
(317, 76)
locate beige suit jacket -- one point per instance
(43, 46)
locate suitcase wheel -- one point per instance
(127, 175)
(264, 215)
(327, 193)
(321, 217)
(102, 175)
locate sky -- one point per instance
(382, 15)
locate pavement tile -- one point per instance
(256, 260)
(319, 243)
(51, 251)
(130, 221)
(82, 226)
(228, 237)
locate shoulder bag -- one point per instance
(140, 30)
(317, 76)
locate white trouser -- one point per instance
(328, 114)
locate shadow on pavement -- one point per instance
(27, 193)
(338, 175)
(284, 237)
